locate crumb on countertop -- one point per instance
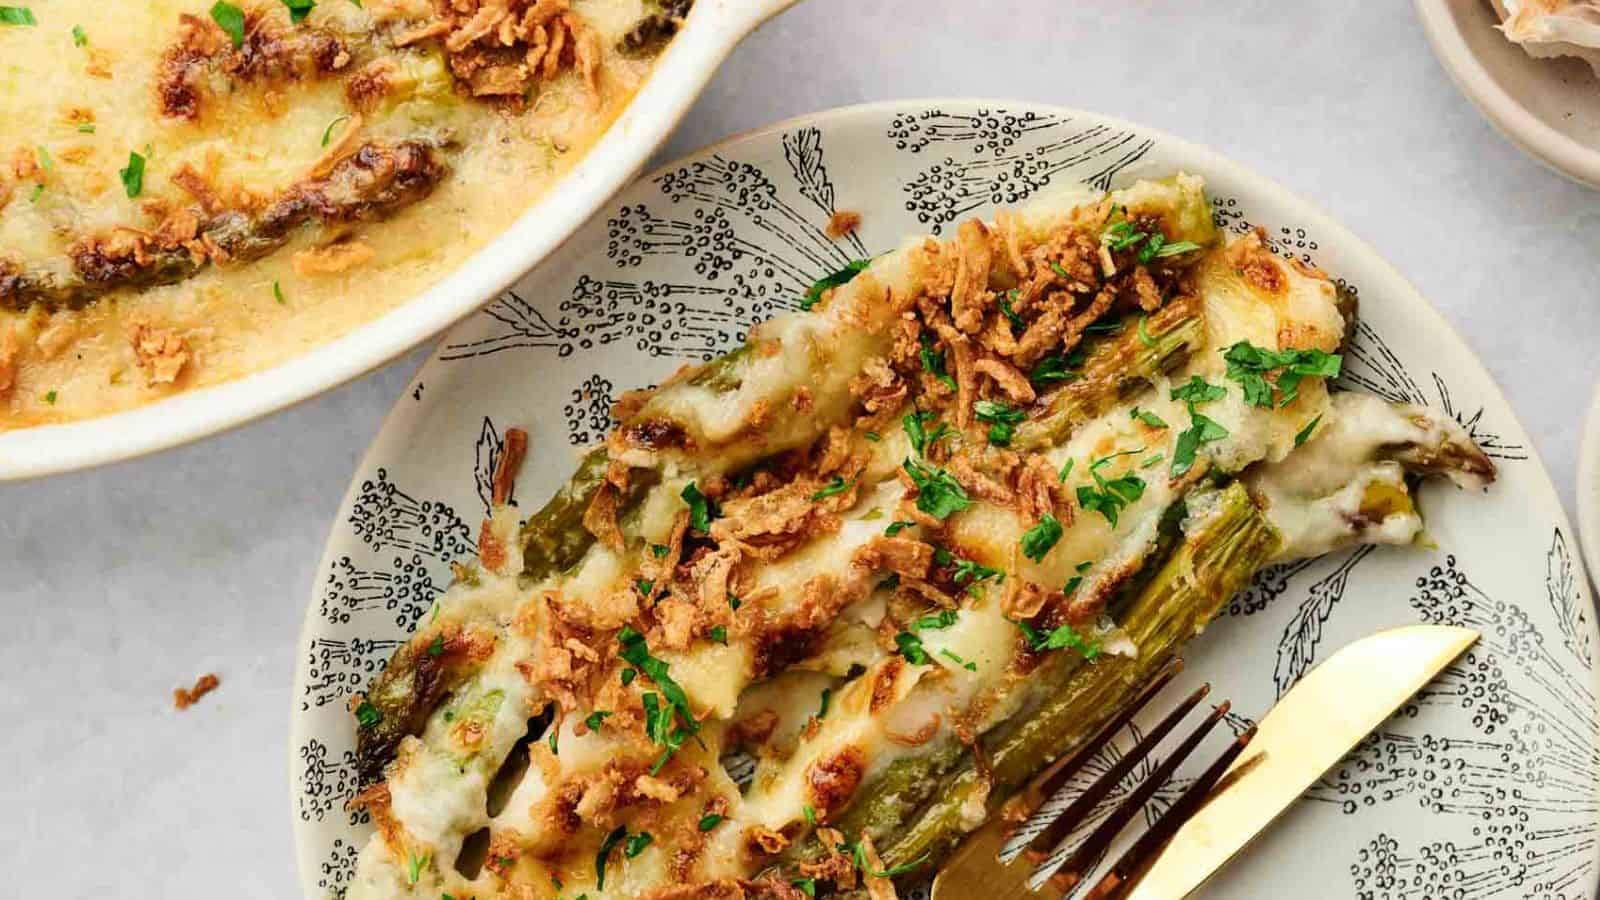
(185, 698)
(843, 222)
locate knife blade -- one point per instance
(1311, 728)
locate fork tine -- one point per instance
(1053, 778)
(1078, 865)
(1137, 857)
(1074, 814)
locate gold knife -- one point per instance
(1313, 726)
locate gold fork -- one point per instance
(976, 870)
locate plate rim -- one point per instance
(1212, 160)
(606, 169)
(1550, 148)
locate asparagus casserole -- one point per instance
(198, 190)
(897, 553)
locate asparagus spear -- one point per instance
(374, 182)
(1223, 549)
(1118, 367)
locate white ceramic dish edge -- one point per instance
(1552, 149)
(1210, 160)
(714, 29)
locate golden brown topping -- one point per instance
(185, 698)
(505, 472)
(9, 347)
(159, 351)
(842, 223)
(332, 259)
(902, 556)
(1253, 260)
(970, 293)
(832, 780)
(878, 887)
(502, 48)
(267, 55)
(765, 840)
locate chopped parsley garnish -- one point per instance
(1250, 365)
(1104, 326)
(133, 175)
(436, 646)
(938, 493)
(719, 634)
(911, 648)
(1158, 248)
(50, 398)
(1011, 314)
(807, 886)
(1066, 469)
(933, 363)
(700, 510)
(368, 715)
(327, 133)
(1038, 540)
(1165, 249)
(897, 527)
(1121, 235)
(1202, 430)
(659, 550)
(1148, 418)
(1109, 495)
(1305, 433)
(593, 720)
(628, 675)
(969, 666)
(872, 436)
(916, 428)
(554, 739)
(943, 619)
(606, 846)
(1055, 367)
(45, 162)
(1144, 336)
(967, 572)
(1061, 637)
(79, 38)
(709, 821)
(415, 865)
(645, 586)
(1152, 460)
(277, 293)
(33, 196)
(17, 15)
(230, 19)
(734, 602)
(299, 9)
(658, 719)
(837, 486)
(810, 814)
(843, 276)
(636, 844)
(86, 128)
(1056, 268)
(827, 698)
(1198, 390)
(1072, 585)
(1001, 419)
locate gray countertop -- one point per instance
(127, 581)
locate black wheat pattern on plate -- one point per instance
(1509, 750)
(1297, 648)
(1566, 600)
(999, 158)
(747, 236)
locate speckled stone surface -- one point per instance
(125, 582)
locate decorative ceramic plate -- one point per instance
(1589, 484)
(1550, 108)
(1486, 786)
